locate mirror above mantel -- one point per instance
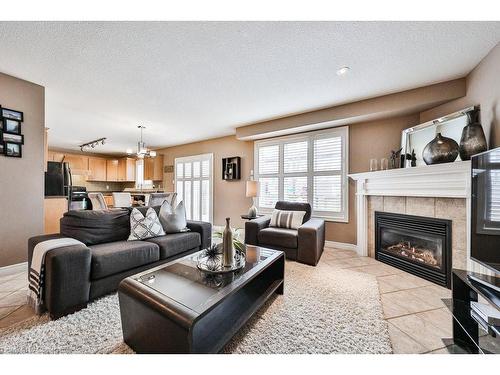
(415, 139)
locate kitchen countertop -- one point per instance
(109, 192)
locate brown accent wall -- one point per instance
(367, 140)
(483, 87)
(229, 196)
(22, 179)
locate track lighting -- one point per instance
(92, 144)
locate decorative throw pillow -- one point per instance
(173, 221)
(287, 219)
(142, 227)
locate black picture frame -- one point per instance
(12, 114)
(11, 126)
(17, 146)
(12, 138)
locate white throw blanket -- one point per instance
(37, 269)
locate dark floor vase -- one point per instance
(473, 140)
(440, 150)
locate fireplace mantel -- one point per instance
(451, 180)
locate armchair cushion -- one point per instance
(287, 219)
(278, 237)
(295, 206)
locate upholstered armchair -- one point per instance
(305, 244)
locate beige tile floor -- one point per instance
(417, 317)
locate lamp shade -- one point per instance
(252, 188)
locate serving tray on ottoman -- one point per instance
(177, 308)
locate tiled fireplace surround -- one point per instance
(436, 191)
(441, 208)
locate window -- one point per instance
(193, 185)
(311, 167)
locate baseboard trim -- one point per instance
(13, 268)
(341, 245)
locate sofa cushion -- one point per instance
(144, 226)
(176, 243)
(278, 237)
(119, 256)
(94, 227)
(173, 220)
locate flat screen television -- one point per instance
(485, 209)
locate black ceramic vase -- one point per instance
(473, 140)
(440, 150)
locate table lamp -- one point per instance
(252, 192)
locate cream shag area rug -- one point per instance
(323, 310)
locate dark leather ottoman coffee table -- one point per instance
(176, 308)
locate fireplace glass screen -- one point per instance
(424, 250)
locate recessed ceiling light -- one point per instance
(342, 71)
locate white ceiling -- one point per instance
(188, 81)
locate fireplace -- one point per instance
(416, 244)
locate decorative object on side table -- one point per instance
(440, 150)
(252, 188)
(473, 140)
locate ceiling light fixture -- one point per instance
(342, 71)
(92, 144)
(142, 150)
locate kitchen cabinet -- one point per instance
(153, 168)
(77, 162)
(112, 170)
(55, 156)
(97, 169)
(54, 209)
(126, 169)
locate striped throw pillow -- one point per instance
(287, 219)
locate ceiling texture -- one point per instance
(189, 81)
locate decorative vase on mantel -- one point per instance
(227, 245)
(440, 150)
(473, 140)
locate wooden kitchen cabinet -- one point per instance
(112, 170)
(97, 168)
(77, 162)
(126, 169)
(55, 156)
(54, 209)
(153, 168)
